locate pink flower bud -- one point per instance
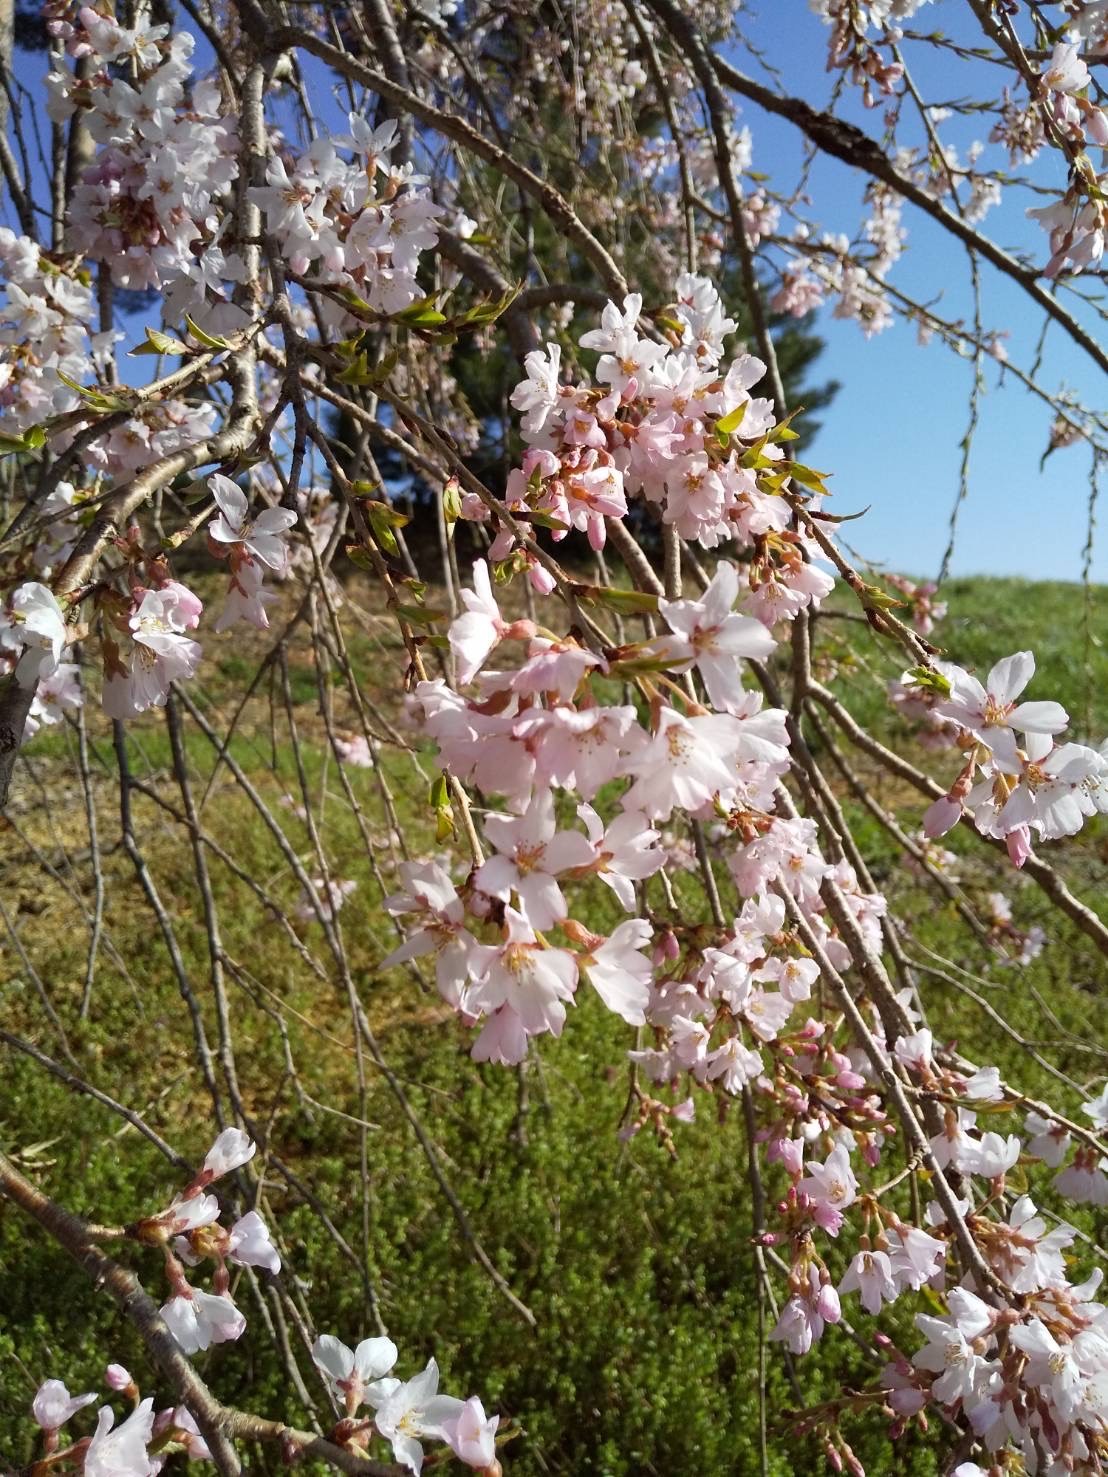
(502, 545)
(827, 1304)
(117, 1378)
(941, 817)
(1018, 843)
(542, 581)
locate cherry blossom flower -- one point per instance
(623, 354)
(521, 977)
(54, 1405)
(806, 1314)
(625, 852)
(1049, 1140)
(1097, 1110)
(950, 1350)
(231, 1150)
(250, 1245)
(583, 748)
(733, 1065)
(686, 763)
(1051, 1365)
(1066, 71)
(471, 1435)
(179, 1425)
(532, 852)
(406, 1413)
(537, 395)
(619, 973)
(246, 598)
(474, 634)
(982, 709)
(1045, 796)
(191, 1214)
(120, 1451)
(870, 1275)
(991, 1155)
(830, 1188)
(432, 896)
(160, 656)
(351, 1373)
(915, 1258)
(709, 636)
(198, 1319)
(39, 625)
(56, 695)
(261, 536)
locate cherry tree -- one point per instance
(613, 667)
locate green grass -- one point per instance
(637, 1265)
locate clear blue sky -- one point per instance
(891, 439)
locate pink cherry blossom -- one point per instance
(532, 854)
(198, 1319)
(54, 1405)
(351, 1373)
(120, 1451)
(409, 1412)
(523, 977)
(250, 1245)
(261, 536)
(709, 636)
(471, 1435)
(830, 1188)
(619, 973)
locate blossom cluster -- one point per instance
(585, 784)
(146, 646)
(1017, 778)
(167, 152)
(361, 222)
(668, 425)
(45, 327)
(405, 1413)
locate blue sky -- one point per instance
(891, 439)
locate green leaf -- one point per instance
(504, 572)
(418, 615)
(671, 325)
(383, 518)
(159, 343)
(31, 440)
(546, 520)
(452, 502)
(421, 314)
(627, 602)
(359, 371)
(439, 797)
(927, 679)
(806, 476)
(488, 311)
(733, 419)
(878, 599)
(107, 401)
(208, 340)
